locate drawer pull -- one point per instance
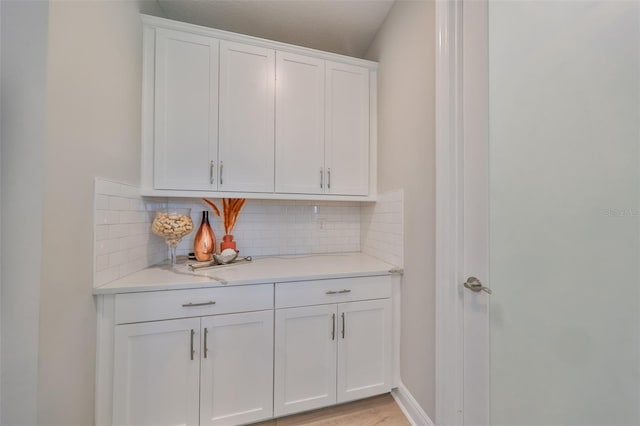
(206, 333)
(192, 350)
(191, 304)
(338, 292)
(333, 327)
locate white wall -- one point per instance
(23, 73)
(405, 48)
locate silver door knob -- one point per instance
(476, 286)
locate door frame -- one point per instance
(461, 92)
(449, 308)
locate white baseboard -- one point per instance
(410, 407)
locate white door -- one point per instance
(476, 394)
(186, 111)
(551, 202)
(299, 124)
(246, 144)
(237, 368)
(364, 349)
(305, 358)
(347, 129)
(156, 373)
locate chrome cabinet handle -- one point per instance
(476, 286)
(329, 178)
(193, 333)
(343, 325)
(333, 327)
(191, 304)
(221, 169)
(338, 292)
(206, 333)
(211, 174)
(321, 179)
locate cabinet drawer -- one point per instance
(159, 305)
(303, 293)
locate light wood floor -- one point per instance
(379, 410)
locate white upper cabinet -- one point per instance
(299, 124)
(247, 95)
(186, 110)
(347, 129)
(229, 115)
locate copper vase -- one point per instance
(204, 244)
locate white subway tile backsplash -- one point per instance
(270, 227)
(122, 231)
(107, 246)
(101, 232)
(106, 217)
(117, 258)
(118, 203)
(119, 230)
(382, 229)
(102, 202)
(124, 243)
(102, 262)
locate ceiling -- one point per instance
(340, 26)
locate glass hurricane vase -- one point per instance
(172, 224)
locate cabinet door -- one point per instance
(156, 373)
(237, 368)
(186, 111)
(246, 144)
(305, 358)
(299, 124)
(364, 349)
(347, 129)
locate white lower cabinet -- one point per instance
(305, 359)
(156, 376)
(207, 370)
(236, 355)
(329, 354)
(236, 381)
(364, 349)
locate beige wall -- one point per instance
(93, 129)
(22, 86)
(71, 81)
(405, 48)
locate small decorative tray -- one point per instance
(214, 264)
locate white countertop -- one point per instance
(269, 269)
